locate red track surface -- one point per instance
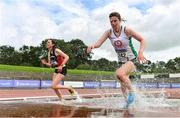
(15, 93)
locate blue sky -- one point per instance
(93, 4)
(31, 21)
(143, 6)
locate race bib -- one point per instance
(122, 56)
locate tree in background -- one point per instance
(29, 55)
(171, 66)
(8, 55)
(79, 55)
(103, 65)
(177, 61)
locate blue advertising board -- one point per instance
(139, 85)
(164, 85)
(26, 83)
(108, 84)
(175, 85)
(91, 84)
(46, 83)
(151, 85)
(146, 85)
(6, 83)
(86, 84)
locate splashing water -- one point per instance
(78, 98)
(143, 101)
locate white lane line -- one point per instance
(65, 96)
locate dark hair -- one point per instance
(116, 14)
(53, 42)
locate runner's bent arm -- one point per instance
(44, 62)
(66, 57)
(48, 63)
(130, 33)
(99, 42)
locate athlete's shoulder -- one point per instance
(57, 50)
(108, 32)
(128, 31)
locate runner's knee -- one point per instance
(120, 74)
(53, 87)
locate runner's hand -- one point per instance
(59, 68)
(43, 61)
(141, 58)
(89, 49)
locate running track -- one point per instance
(19, 93)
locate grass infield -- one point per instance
(50, 70)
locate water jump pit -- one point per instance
(154, 104)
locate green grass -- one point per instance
(23, 68)
(50, 70)
(70, 71)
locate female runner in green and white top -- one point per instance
(120, 37)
